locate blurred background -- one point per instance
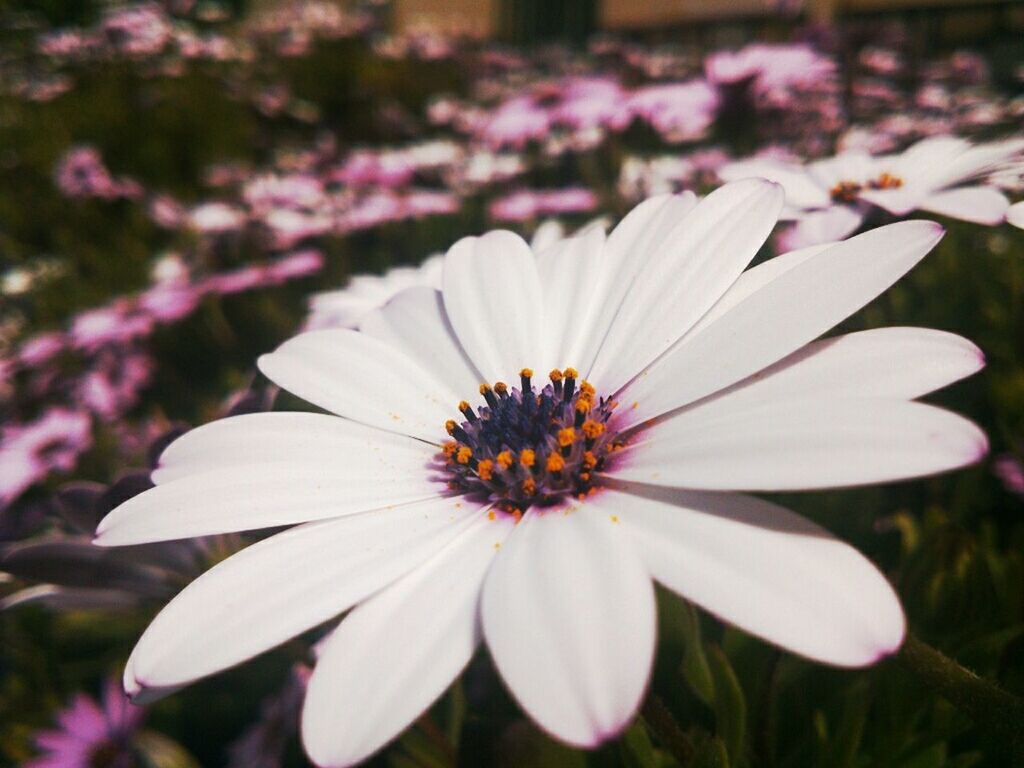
(185, 184)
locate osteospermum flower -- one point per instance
(91, 733)
(459, 492)
(830, 198)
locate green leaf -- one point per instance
(636, 748)
(695, 666)
(456, 714)
(730, 705)
(711, 753)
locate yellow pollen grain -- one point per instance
(504, 459)
(492, 515)
(527, 458)
(589, 459)
(529, 486)
(485, 469)
(555, 463)
(566, 437)
(593, 429)
(615, 518)
(464, 454)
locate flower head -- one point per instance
(534, 511)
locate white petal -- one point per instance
(981, 205)
(568, 613)
(283, 438)
(833, 223)
(263, 494)
(415, 322)
(787, 313)
(895, 363)
(802, 444)
(284, 585)
(766, 570)
(364, 379)
(628, 249)
(802, 191)
(753, 280)
(393, 655)
(691, 271)
(1015, 215)
(569, 275)
(493, 298)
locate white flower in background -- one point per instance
(1015, 215)
(534, 514)
(345, 307)
(830, 198)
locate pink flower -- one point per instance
(81, 174)
(527, 204)
(41, 348)
(29, 452)
(515, 123)
(113, 324)
(679, 111)
(91, 734)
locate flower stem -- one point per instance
(660, 720)
(988, 705)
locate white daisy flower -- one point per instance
(345, 307)
(533, 515)
(830, 198)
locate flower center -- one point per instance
(887, 181)
(527, 447)
(845, 192)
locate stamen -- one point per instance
(520, 449)
(846, 191)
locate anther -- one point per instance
(504, 459)
(570, 383)
(566, 437)
(488, 394)
(501, 388)
(593, 429)
(556, 381)
(555, 463)
(524, 381)
(468, 412)
(463, 455)
(485, 469)
(527, 458)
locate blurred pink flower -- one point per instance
(81, 174)
(90, 734)
(29, 452)
(528, 204)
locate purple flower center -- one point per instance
(527, 447)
